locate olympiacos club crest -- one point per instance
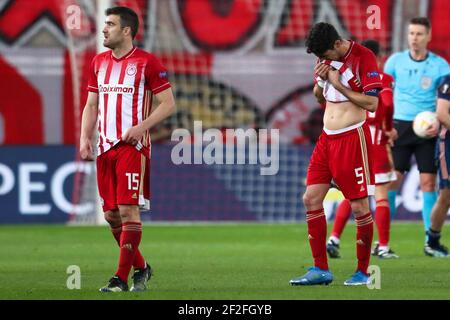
(131, 69)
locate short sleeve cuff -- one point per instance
(161, 88)
(92, 89)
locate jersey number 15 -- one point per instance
(133, 180)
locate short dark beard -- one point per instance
(110, 46)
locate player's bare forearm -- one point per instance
(88, 122)
(318, 93)
(165, 109)
(443, 112)
(366, 102)
(362, 100)
(89, 117)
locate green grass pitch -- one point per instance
(211, 261)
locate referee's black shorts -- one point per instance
(407, 144)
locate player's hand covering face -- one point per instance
(334, 77)
(322, 70)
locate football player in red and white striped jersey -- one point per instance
(348, 79)
(122, 83)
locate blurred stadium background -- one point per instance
(232, 63)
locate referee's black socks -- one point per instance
(433, 237)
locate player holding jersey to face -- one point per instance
(383, 135)
(348, 80)
(121, 86)
(416, 74)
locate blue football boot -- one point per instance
(314, 276)
(357, 279)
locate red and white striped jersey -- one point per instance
(359, 72)
(125, 87)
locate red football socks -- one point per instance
(139, 261)
(317, 234)
(343, 212)
(364, 236)
(383, 222)
(130, 239)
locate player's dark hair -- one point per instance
(423, 21)
(372, 45)
(321, 38)
(128, 18)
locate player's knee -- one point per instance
(310, 199)
(427, 182)
(113, 219)
(125, 214)
(358, 207)
(427, 185)
(129, 212)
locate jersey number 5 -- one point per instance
(360, 175)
